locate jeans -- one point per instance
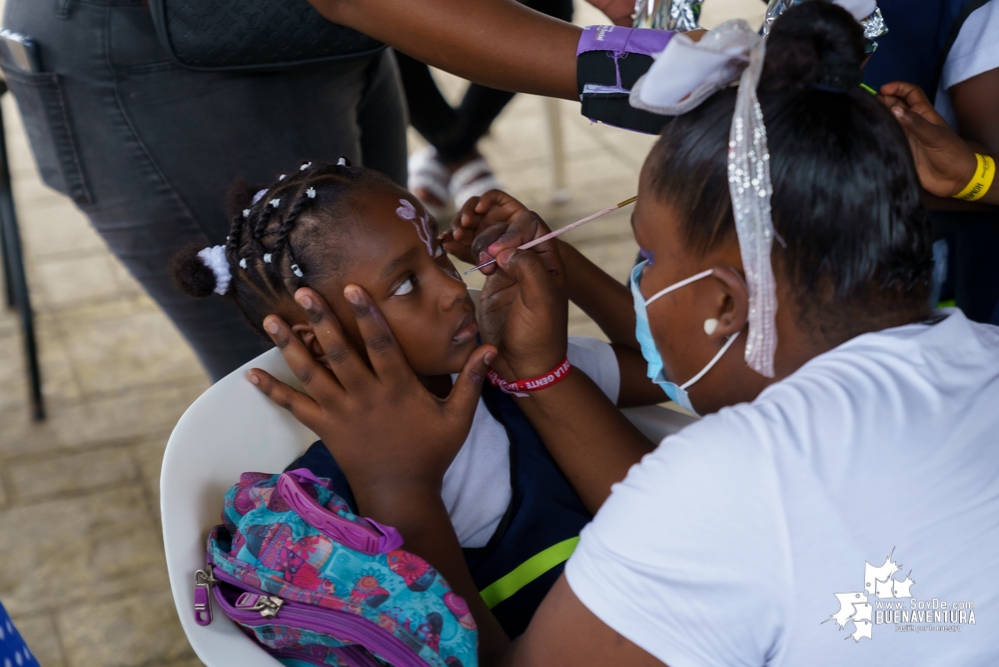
(147, 149)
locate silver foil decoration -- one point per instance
(679, 15)
(874, 25)
(750, 188)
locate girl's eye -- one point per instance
(646, 255)
(405, 288)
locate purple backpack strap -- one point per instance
(366, 535)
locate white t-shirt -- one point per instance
(729, 544)
(476, 488)
(975, 50)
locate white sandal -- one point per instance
(473, 179)
(427, 172)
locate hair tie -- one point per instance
(214, 258)
(837, 74)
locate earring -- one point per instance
(710, 325)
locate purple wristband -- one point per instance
(618, 40)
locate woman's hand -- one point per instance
(944, 161)
(368, 415)
(524, 309)
(476, 215)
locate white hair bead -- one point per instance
(267, 258)
(260, 195)
(305, 166)
(282, 177)
(242, 263)
(246, 213)
(297, 271)
(311, 193)
(342, 162)
(275, 202)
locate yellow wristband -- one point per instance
(981, 181)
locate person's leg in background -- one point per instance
(453, 133)
(381, 116)
(147, 149)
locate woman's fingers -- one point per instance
(346, 364)
(298, 404)
(912, 99)
(538, 280)
(468, 386)
(387, 359)
(527, 226)
(313, 376)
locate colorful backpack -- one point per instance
(315, 584)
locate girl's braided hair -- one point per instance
(280, 238)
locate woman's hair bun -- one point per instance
(813, 43)
(190, 274)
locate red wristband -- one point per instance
(518, 387)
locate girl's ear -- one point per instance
(307, 336)
(733, 304)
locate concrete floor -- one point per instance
(81, 564)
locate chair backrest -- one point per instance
(233, 428)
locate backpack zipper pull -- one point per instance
(267, 605)
(203, 581)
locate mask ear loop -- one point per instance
(676, 286)
(728, 344)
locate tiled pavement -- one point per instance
(81, 564)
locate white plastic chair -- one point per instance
(232, 428)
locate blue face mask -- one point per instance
(677, 393)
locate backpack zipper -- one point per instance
(343, 625)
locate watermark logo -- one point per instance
(894, 604)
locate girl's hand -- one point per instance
(524, 309)
(388, 433)
(477, 214)
(944, 161)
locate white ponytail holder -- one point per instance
(214, 258)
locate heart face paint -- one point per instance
(408, 212)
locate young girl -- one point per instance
(328, 226)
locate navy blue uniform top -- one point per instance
(544, 511)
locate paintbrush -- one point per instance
(561, 230)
